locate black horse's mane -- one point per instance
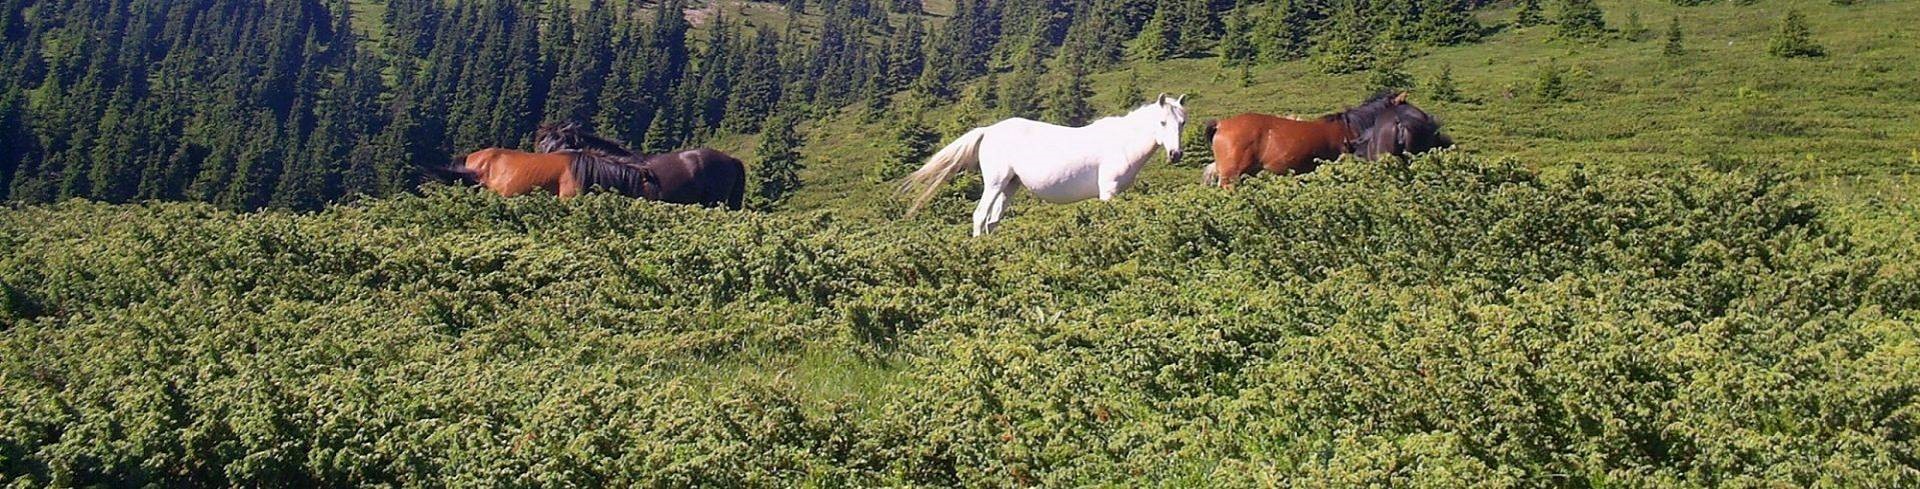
(600, 170)
(1364, 115)
(572, 136)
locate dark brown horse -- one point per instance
(566, 174)
(697, 176)
(1383, 125)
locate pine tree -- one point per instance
(1528, 14)
(1634, 30)
(1389, 71)
(1198, 26)
(1446, 22)
(1346, 44)
(1282, 34)
(1551, 84)
(1794, 39)
(778, 173)
(1675, 40)
(1236, 47)
(1580, 19)
(911, 144)
(1130, 92)
(1020, 92)
(1442, 87)
(1155, 42)
(1068, 105)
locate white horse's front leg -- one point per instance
(1110, 187)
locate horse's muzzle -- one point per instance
(1173, 157)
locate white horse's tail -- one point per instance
(962, 154)
(1210, 176)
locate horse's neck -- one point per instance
(1139, 140)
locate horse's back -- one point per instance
(702, 176)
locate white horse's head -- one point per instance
(1167, 116)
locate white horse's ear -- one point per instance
(1182, 99)
(1163, 98)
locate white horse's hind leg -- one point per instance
(999, 207)
(982, 213)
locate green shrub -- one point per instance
(1794, 39)
(1442, 321)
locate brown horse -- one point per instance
(697, 176)
(566, 174)
(1383, 125)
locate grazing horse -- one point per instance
(1383, 125)
(1059, 164)
(700, 176)
(568, 174)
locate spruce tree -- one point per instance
(1020, 92)
(1634, 30)
(1068, 105)
(1675, 40)
(1446, 22)
(1580, 19)
(777, 174)
(1282, 34)
(1389, 72)
(1345, 46)
(1550, 84)
(1442, 87)
(1198, 27)
(912, 142)
(1794, 39)
(1236, 47)
(1155, 41)
(1130, 92)
(1527, 13)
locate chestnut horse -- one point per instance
(701, 176)
(1383, 125)
(566, 174)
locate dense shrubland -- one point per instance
(1443, 322)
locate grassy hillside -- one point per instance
(1694, 272)
(1855, 112)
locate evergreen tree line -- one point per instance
(281, 103)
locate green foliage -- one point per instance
(1070, 102)
(1445, 321)
(1390, 72)
(1346, 45)
(1196, 147)
(1130, 94)
(1442, 86)
(910, 146)
(1634, 30)
(1676, 40)
(1580, 19)
(777, 174)
(1155, 41)
(1793, 39)
(1283, 33)
(1446, 22)
(1529, 14)
(1550, 83)
(1237, 47)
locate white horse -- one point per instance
(1059, 164)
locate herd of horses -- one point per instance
(1057, 164)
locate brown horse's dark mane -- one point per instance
(595, 169)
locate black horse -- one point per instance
(701, 176)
